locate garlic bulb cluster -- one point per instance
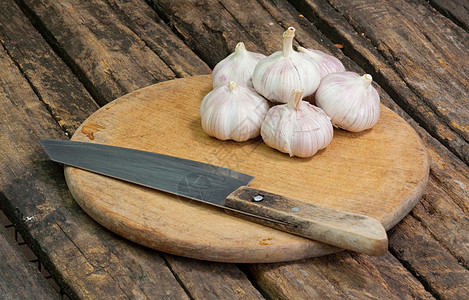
(233, 112)
(350, 100)
(297, 128)
(244, 82)
(278, 74)
(238, 66)
(327, 63)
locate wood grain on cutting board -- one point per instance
(380, 173)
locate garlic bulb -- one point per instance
(278, 74)
(238, 66)
(233, 111)
(297, 128)
(327, 63)
(350, 100)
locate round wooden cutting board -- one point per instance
(381, 173)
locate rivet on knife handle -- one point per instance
(338, 228)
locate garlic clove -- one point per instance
(349, 100)
(297, 128)
(233, 112)
(238, 66)
(277, 75)
(327, 63)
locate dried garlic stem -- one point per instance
(295, 99)
(240, 49)
(367, 79)
(233, 85)
(288, 36)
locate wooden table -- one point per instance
(61, 60)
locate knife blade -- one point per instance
(226, 189)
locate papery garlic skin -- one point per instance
(327, 63)
(238, 66)
(297, 128)
(350, 100)
(278, 74)
(233, 112)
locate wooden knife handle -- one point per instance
(338, 228)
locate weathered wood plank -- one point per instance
(111, 59)
(339, 276)
(456, 10)
(18, 278)
(446, 202)
(267, 34)
(212, 30)
(48, 75)
(84, 263)
(442, 214)
(198, 277)
(189, 26)
(445, 220)
(86, 260)
(65, 235)
(442, 274)
(144, 22)
(440, 220)
(423, 69)
(435, 63)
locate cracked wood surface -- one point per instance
(104, 49)
(455, 10)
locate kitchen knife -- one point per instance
(224, 188)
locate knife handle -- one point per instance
(334, 227)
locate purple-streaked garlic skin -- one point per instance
(238, 66)
(233, 112)
(297, 128)
(327, 63)
(349, 100)
(278, 74)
